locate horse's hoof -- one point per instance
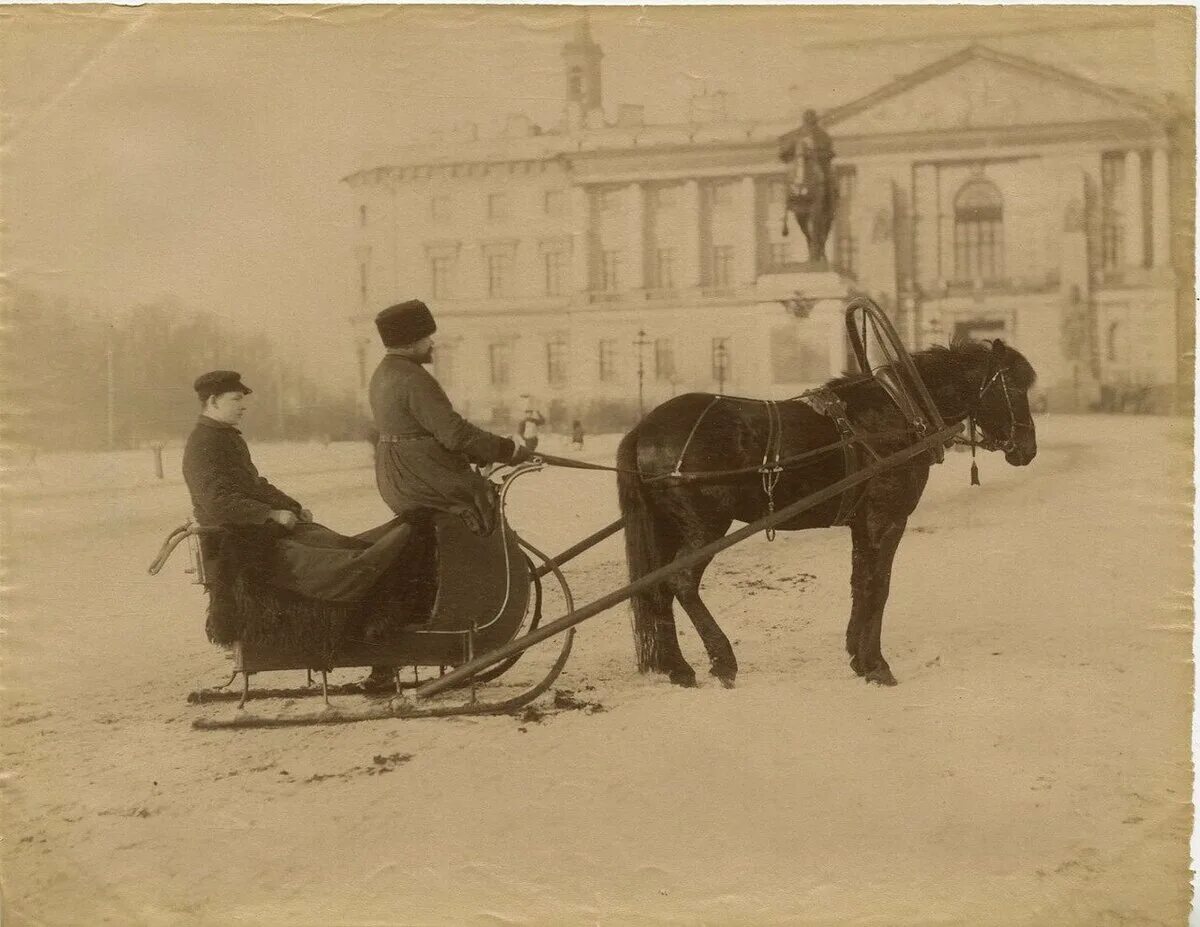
(685, 678)
(856, 666)
(881, 676)
(725, 676)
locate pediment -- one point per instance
(981, 90)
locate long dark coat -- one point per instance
(425, 450)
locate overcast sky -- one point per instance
(197, 152)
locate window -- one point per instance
(555, 267)
(666, 197)
(499, 357)
(362, 281)
(575, 82)
(439, 207)
(845, 246)
(499, 271)
(722, 266)
(443, 363)
(664, 359)
(664, 268)
(721, 357)
(609, 200)
(1113, 352)
(610, 271)
(978, 233)
(556, 362)
(362, 215)
(722, 194)
(497, 206)
(1112, 213)
(553, 203)
(441, 276)
(608, 360)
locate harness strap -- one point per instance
(824, 401)
(678, 471)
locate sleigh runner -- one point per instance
(782, 489)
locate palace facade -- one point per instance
(579, 268)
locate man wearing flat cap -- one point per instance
(225, 486)
(425, 450)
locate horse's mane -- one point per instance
(945, 362)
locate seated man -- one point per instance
(293, 556)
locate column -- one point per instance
(745, 269)
(581, 243)
(1135, 250)
(689, 236)
(633, 271)
(1160, 210)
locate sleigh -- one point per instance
(489, 591)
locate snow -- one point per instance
(1031, 768)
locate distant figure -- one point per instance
(529, 429)
(577, 434)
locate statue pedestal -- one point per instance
(815, 297)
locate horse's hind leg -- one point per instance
(670, 658)
(723, 664)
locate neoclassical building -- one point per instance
(579, 267)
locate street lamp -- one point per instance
(721, 356)
(641, 370)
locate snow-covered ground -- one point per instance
(1032, 768)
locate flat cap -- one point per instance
(405, 323)
(216, 382)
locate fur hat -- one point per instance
(216, 382)
(405, 323)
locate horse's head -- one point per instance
(999, 401)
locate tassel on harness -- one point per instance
(974, 466)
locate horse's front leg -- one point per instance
(878, 553)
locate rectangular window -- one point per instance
(664, 359)
(664, 268)
(499, 269)
(362, 281)
(439, 207)
(441, 275)
(499, 356)
(721, 360)
(667, 196)
(722, 266)
(609, 200)
(497, 206)
(443, 363)
(555, 267)
(608, 360)
(556, 363)
(362, 215)
(722, 194)
(610, 271)
(553, 202)
(1112, 212)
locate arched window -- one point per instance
(979, 233)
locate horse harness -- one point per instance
(826, 403)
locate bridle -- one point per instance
(991, 444)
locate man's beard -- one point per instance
(426, 356)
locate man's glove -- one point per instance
(520, 454)
(283, 517)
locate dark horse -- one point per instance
(667, 518)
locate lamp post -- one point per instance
(721, 356)
(641, 371)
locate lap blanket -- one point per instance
(309, 590)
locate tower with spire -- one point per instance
(581, 60)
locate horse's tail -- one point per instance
(643, 552)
